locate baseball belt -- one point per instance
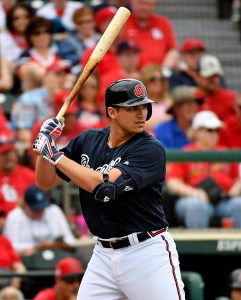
(125, 242)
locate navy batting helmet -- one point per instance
(126, 93)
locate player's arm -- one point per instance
(83, 177)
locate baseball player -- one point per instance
(120, 171)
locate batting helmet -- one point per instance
(127, 93)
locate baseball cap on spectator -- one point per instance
(127, 45)
(193, 43)
(206, 119)
(104, 14)
(68, 267)
(235, 279)
(36, 198)
(6, 140)
(209, 65)
(59, 100)
(182, 94)
(60, 65)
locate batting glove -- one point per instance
(53, 127)
(45, 145)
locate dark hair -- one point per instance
(35, 24)
(9, 19)
(82, 12)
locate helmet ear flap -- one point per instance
(149, 111)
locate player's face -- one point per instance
(131, 119)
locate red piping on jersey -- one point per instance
(152, 234)
(173, 268)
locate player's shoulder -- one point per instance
(48, 293)
(148, 140)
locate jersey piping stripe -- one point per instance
(173, 268)
(152, 234)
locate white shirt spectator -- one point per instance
(48, 11)
(26, 233)
(2, 17)
(9, 48)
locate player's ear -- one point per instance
(112, 112)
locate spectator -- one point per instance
(72, 126)
(236, 12)
(128, 57)
(192, 50)
(206, 189)
(37, 104)
(62, 10)
(11, 293)
(173, 133)
(109, 61)
(158, 90)
(90, 114)
(5, 6)
(6, 76)
(219, 100)
(154, 34)
(40, 54)
(231, 131)
(9, 259)
(13, 39)
(14, 178)
(235, 284)
(68, 275)
(84, 35)
(37, 225)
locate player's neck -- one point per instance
(117, 138)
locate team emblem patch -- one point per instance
(139, 90)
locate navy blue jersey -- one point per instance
(143, 159)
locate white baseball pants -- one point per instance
(146, 270)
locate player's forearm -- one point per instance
(83, 177)
(46, 177)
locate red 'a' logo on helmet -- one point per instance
(139, 90)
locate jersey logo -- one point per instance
(128, 188)
(85, 161)
(106, 199)
(139, 90)
(126, 163)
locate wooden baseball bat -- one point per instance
(101, 48)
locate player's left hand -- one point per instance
(45, 145)
(53, 127)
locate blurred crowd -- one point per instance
(42, 53)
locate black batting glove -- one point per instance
(53, 127)
(45, 146)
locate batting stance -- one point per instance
(120, 171)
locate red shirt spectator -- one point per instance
(8, 254)
(221, 102)
(154, 34)
(217, 99)
(194, 172)
(231, 132)
(68, 274)
(14, 178)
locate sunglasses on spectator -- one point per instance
(24, 17)
(156, 79)
(39, 32)
(91, 85)
(210, 130)
(72, 279)
(80, 22)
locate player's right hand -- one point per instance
(53, 127)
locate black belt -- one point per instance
(124, 242)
